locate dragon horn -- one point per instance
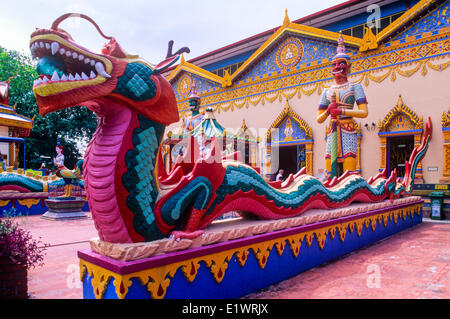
(78, 15)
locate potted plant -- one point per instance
(18, 253)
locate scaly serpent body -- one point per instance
(131, 197)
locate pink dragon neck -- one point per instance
(100, 169)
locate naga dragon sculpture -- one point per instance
(131, 196)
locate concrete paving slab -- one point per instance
(412, 264)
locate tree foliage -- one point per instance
(70, 125)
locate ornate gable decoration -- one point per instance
(285, 120)
(289, 53)
(184, 84)
(291, 50)
(399, 25)
(245, 133)
(400, 118)
(434, 19)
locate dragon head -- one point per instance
(70, 75)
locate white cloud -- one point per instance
(145, 27)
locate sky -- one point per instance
(145, 27)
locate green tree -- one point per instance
(70, 125)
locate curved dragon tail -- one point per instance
(21, 183)
(417, 154)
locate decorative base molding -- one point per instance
(64, 209)
(234, 268)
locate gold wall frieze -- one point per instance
(370, 68)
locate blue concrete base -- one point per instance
(236, 268)
(18, 207)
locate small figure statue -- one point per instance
(288, 131)
(70, 176)
(194, 102)
(59, 159)
(337, 101)
(289, 54)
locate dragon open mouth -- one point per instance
(63, 66)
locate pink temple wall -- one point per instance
(425, 95)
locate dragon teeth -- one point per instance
(55, 76)
(54, 47)
(100, 68)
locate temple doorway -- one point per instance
(292, 159)
(289, 145)
(399, 151)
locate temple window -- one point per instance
(360, 30)
(230, 68)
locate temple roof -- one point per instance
(191, 68)
(310, 27)
(9, 117)
(293, 28)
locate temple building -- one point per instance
(14, 128)
(273, 82)
(203, 127)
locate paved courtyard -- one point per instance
(412, 264)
